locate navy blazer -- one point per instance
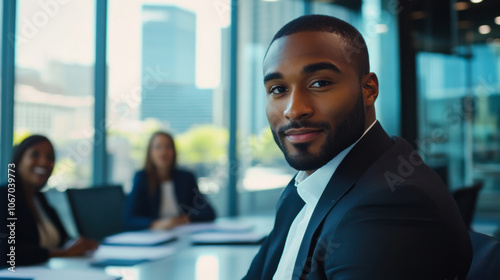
(27, 238)
(142, 208)
(383, 215)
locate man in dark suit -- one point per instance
(363, 205)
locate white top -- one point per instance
(49, 236)
(169, 206)
(310, 188)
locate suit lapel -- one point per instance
(289, 206)
(358, 160)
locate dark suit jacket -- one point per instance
(486, 258)
(27, 238)
(383, 215)
(142, 208)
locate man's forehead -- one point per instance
(306, 44)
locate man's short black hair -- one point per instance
(355, 44)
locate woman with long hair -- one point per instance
(36, 233)
(164, 196)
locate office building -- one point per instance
(169, 91)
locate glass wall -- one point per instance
(1, 37)
(442, 123)
(166, 59)
(55, 42)
(459, 96)
(263, 172)
(485, 120)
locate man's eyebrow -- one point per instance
(272, 76)
(311, 68)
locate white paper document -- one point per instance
(139, 238)
(132, 252)
(214, 227)
(43, 273)
(227, 238)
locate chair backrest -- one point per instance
(97, 211)
(466, 199)
(486, 257)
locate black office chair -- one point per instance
(466, 199)
(486, 257)
(97, 211)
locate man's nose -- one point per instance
(299, 105)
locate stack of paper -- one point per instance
(132, 252)
(128, 255)
(213, 227)
(134, 247)
(224, 238)
(140, 238)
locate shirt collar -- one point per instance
(311, 187)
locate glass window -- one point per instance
(1, 37)
(485, 120)
(54, 83)
(442, 92)
(166, 59)
(459, 102)
(263, 171)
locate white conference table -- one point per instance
(187, 261)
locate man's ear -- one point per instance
(369, 86)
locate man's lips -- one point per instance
(302, 135)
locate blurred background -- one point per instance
(99, 77)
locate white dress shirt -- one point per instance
(169, 206)
(310, 188)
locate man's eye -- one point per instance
(277, 90)
(319, 84)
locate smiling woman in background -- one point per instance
(164, 196)
(39, 233)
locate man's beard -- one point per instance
(350, 128)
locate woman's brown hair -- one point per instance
(149, 166)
